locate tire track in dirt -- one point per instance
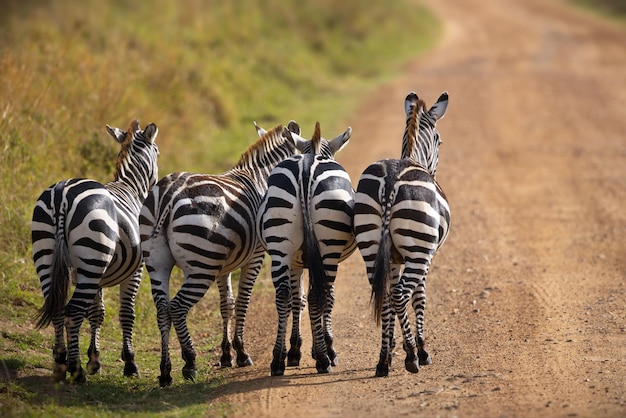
(525, 313)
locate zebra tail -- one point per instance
(61, 275)
(317, 273)
(382, 270)
(161, 212)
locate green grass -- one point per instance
(613, 9)
(202, 71)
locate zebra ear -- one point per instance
(439, 109)
(151, 132)
(294, 127)
(296, 139)
(259, 131)
(410, 101)
(339, 142)
(116, 133)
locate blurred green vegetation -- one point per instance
(202, 70)
(615, 9)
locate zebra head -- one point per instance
(421, 139)
(292, 126)
(320, 146)
(137, 160)
(301, 144)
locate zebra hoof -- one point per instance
(226, 361)
(190, 374)
(93, 367)
(165, 381)
(59, 373)
(411, 366)
(277, 368)
(293, 358)
(333, 358)
(382, 370)
(78, 377)
(244, 361)
(131, 370)
(323, 366)
(277, 372)
(424, 358)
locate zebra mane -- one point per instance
(265, 144)
(316, 140)
(410, 142)
(126, 144)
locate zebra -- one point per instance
(87, 234)
(401, 218)
(205, 224)
(305, 221)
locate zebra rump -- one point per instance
(85, 233)
(401, 218)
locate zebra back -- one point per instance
(247, 178)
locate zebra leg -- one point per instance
(249, 274)
(74, 315)
(96, 318)
(320, 354)
(283, 306)
(128, 295)
(227, 306)
(59, 352)
(159, 283)
(387, 343)
(298, 302)
(395, 276)
(418, 300)
(400, 297)
(327, 324)
(193, 289)
(164, 322)
(179, 312)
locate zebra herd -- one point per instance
(286, 197)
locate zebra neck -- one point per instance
(252, 179)
(126, 192)
(418, 155)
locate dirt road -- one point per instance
(526, 312)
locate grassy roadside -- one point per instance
(612, 9)
(201, 70)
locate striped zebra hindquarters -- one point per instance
(75, 234)
(401, 219)
(205, 225)
(305, 221)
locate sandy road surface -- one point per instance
(526, 312)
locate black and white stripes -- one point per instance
(205, 224)
(299, 208)
(86, 233)
(305, 221)
(401, 219)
